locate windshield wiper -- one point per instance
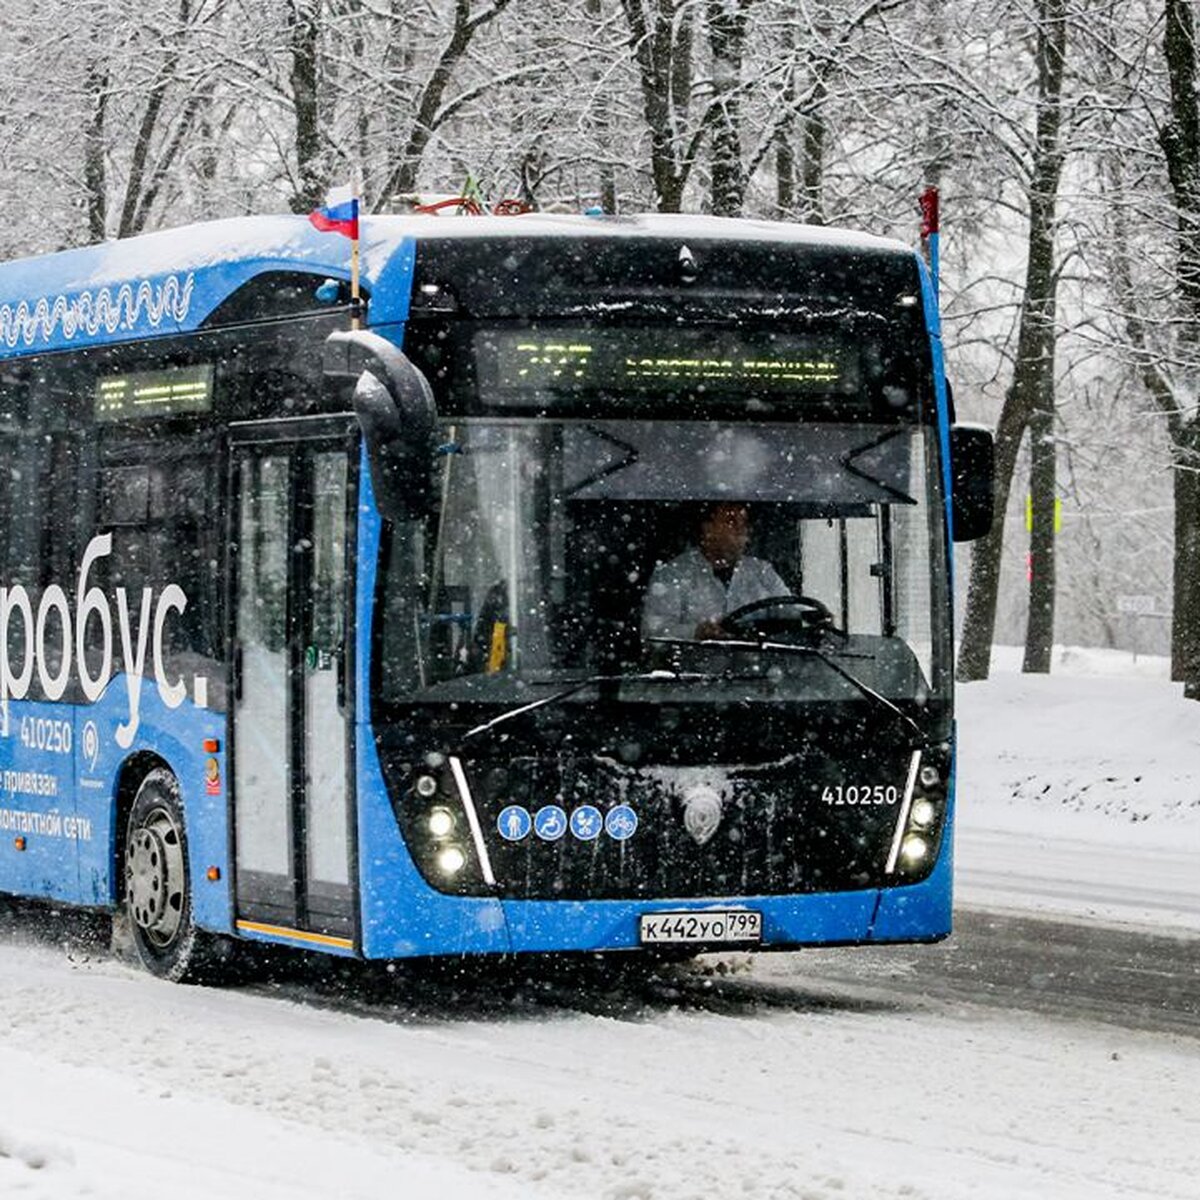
(852, 679)
(746, 644)
(808, 652)
(583, 685)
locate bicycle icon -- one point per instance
(621, 823)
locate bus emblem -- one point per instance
(701, 813)
(91, 744)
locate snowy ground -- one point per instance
(1079, 794)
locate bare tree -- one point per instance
(95, 179)
(431, 107)
(304, 35)
(1029, 401)
(660, 40)
(1180, 140)
(726, 20)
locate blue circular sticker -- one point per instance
(586, 822)
(514, 822)
(550, 823)
(621, 823)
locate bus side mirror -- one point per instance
(394, 405)
(972, 481)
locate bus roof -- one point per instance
(171, 281)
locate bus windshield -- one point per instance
(568, 549)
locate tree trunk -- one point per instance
(662, 56)
(1180, 140)
(726, 39)
(938, 149)
(607, 182)
(139, 195)
(1185, 629)
(1039, 631)
(812, 178)
(815, 128)
(785, 152)
(975, 653)
(311, 182)
(429, 107)
(94, 176)
(1032, 388)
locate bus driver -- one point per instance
(689, 596)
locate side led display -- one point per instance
(169, 392)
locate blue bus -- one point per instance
(387, 637)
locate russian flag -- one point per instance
(337, 218)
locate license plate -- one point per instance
(673, 928)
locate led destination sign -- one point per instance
(163, 393)
(513, 363)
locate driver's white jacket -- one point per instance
(684, 592)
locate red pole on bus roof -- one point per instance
(929, 231)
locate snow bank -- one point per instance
(1106, 750)
(1079, 791)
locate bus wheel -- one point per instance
(157, 889)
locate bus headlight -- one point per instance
(929, 776)
(427, 786)
(441, 822)
(913, 849)
(451, 860)
(923, 813)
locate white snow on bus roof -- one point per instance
(291, 242)
(190, 247)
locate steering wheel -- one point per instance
(813, 616)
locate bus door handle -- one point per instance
(338, 654)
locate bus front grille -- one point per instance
(592, 829)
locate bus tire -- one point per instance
(158, 893)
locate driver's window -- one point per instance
(863, 553)
(820, 543)
(840, 556)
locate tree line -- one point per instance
(1064, 137)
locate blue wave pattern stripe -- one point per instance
(130, 308)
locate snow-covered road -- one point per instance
(1066, 876)
(114, 1085)
(117, 1086)
(827, 1075)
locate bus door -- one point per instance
(292, 533)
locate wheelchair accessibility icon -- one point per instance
(550, 823)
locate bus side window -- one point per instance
(38, 518)
(155, 512)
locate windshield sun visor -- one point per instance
(833, 466)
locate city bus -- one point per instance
(324, 617)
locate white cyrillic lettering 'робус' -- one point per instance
(93, 615)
